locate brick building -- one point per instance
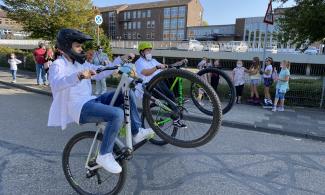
(161, 20)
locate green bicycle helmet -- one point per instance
(144, 45)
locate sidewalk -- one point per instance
(298, 122)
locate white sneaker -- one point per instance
(274, 109)
(143, 134)
(13, 81)
(108, 162)
(97, 93)
(103, 92)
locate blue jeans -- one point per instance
(99, 110)
(13, 73)
(40, 74)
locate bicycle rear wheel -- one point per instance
(222, 85)
(176, 120)
(83, 180)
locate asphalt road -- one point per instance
(235, 162)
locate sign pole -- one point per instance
(268, 19)
(98, 21)
(264, 49)
(97, 35)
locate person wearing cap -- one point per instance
(101, 59)
(72, 100)
(268, 81)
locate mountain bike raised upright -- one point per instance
(192, 96)
(80, 153)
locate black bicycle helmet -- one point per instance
(64, 41)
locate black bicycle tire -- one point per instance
(66, 169)
(229, 83)
(216, 117)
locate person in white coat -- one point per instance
(72, 100)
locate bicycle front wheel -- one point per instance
(222, 85)
(174, 117)
(86, 181)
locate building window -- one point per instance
(139, 25)
(143, 14)
(125, 36)
(173, 35)
(152, 35)
(180, 35)
(173, 11)
(134, 25)
(166, 35)
(129, 25)
(166, 23)
(149, 13)
(173, 23)
(181, 11)
(138, 36)
(134, 36)
(181, 23)
(148, 35)
(139, 14)
(134, 14)
(152, 24)
(129, 15)
(167, 12)
(125, 25)
(148, 24)
(129, 36)
(124, 15)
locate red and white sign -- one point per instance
(269, 18)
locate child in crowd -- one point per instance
(13, 61)
(238, 77)
(254, 75)
(282, 86)
(268, 81)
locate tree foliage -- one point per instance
(44, 18)
(303, 23)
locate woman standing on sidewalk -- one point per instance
(254, 75)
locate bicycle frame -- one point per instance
(124, 87)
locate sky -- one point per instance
(216, 12)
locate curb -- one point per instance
(225, 123)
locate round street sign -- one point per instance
(99, 19)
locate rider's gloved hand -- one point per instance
(86, 74)
(161, 66)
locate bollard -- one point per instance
(308, 68)
(323, 93)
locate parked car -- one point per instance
(211, 47)
(214, 48)
(272, 49)
(311, 51)
(234, 46)
(191, 45)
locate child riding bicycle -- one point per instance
(148, 67)
(72, 100)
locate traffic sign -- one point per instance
(269, 18)
(99, 19)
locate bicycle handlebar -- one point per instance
(179, 64)
(99, 70)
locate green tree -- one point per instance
(303, 23)
(43, 19)
(205, 23)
